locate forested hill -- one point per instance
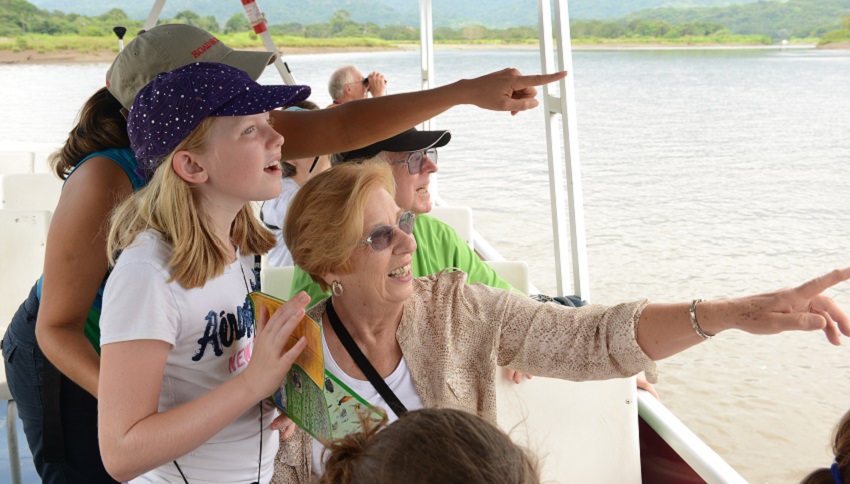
(450, 13)
(771, 20)
(779, 20)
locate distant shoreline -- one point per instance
(31, 56)
(106, 55)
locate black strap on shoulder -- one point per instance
(362, 362)
(53, 439)
(270, 226)
(258, 264)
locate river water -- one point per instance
(706, 173)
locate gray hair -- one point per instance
(339, 79)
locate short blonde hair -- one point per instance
(168, 205)
(324, 222)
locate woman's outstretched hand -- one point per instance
(508, 90)
(804, 307)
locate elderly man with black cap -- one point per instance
(413, 156)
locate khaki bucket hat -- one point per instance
(168, 47)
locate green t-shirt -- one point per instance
(438, 247)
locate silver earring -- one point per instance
(336, 289)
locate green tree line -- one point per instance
(839, 35)
(19, 17)
(779, 20)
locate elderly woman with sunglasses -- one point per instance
(437, 341)
(412, 155)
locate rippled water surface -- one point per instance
(705, 174)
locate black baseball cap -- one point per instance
(410, 140)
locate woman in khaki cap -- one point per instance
(59, 319)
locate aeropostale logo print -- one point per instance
(223, 329)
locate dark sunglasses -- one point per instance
(416, 158)
(382, 237)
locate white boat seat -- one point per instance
(17, 162)
(581, 432)
(23, 235)
(513, 272)
(30, 191)
(574, 428)
(458, 218)
(277, 281)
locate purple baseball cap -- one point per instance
(168, 109)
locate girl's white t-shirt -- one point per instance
(211, 333)
(399, 381)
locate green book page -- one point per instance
(326, 413)
(315, 399)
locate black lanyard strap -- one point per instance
(362, 362)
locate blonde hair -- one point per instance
(324, 222)
(168, 205)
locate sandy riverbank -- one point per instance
(836, 45)
(106, 55)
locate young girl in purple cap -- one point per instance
(58, 403)
(184, 374)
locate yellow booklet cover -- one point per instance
(311, 360)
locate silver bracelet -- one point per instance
(694, 324)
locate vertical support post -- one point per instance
(12, 440)
(564, 164)
(258, 23)
(426, 65)
(426, 57)
(156, 10)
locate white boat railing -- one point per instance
(696, 453)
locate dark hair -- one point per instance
(430, 445)
(841, 449)
(100, 126)
(337, 159)
(288, 169)
(307, 104)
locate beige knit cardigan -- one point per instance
(454, 336)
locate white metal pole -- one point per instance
(426, 64)
(572, 160)
(258, 23)
(426, 58)
(156, 10)
(561, 158)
